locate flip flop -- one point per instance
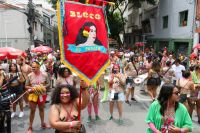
(44, 126)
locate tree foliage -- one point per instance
(115, 24)
(115, 14)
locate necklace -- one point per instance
(169, 113)
(168, 119)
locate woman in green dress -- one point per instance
(167, 115)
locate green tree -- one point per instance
(115, 14)
(135, 3)
(115, 24)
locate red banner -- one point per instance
(85, 43)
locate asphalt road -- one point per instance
(133, 116)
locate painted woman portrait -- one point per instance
(87, 35)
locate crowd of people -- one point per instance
(171, 110)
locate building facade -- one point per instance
(138, 25)
(48, 23)
(133, 25)
(169, 23)
(197, 24)
(13, 27)
(174, 26)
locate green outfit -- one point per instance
(182, 117)
(195, 78)
(106, 88)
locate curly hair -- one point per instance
(55, 99)
(165, 94)
(61, 71)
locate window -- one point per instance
(165, 22)
(46, 20)
(36, 26)
(183, 16)
(41, 27)
(129, 39)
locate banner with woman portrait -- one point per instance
(83, 39)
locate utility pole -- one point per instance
(30, 20)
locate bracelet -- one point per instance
(182, 130)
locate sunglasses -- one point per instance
(176, 93)
(65, 94)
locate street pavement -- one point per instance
(133, 116)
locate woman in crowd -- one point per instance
(168, 73)
(148, 63)
(196, 80)
(63, 115)
(65, 77)
(116, 82)
(94, 101)
(16, 88)
(154, 79)
(131, 71)
(2, 77)
(167, 114)
(186, 88)
(164, 59)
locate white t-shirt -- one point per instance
(132, 53)
(127, 56)
(5, 67)
(178, 71)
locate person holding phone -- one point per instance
(116, 84)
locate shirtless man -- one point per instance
(37, 78)
(25, 70)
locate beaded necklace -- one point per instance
(168, 119)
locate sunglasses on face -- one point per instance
(176, 93)
(65, 94)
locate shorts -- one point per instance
(16, 89)
(121, 97)
(130, 83)
(154, 81)
(37, 99)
